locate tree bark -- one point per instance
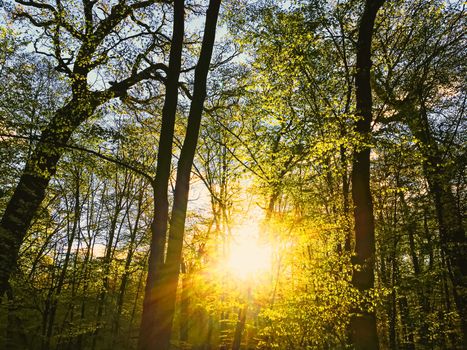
(30, 191)
(363, 322)
(154, 330)
(15, 337)
(162, 287)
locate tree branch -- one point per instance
(117, 161)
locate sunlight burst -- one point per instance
(248, 257)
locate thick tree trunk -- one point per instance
(363, 322)
(164, 307)
(30, 191)
(154, 330)
(15, 337)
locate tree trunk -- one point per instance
(61, 280)
(30, 191)
(15, 337)
(407, 325)
(154, 329)
(113, 236)
(410, 228)
(163, 284)
(41, 165)
(363, 322)
(126, 274)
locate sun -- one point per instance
(247, 257)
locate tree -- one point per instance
(165, 262)
(156, 323)
(363, 321)
(301, 112)
(83, 102)
(414, 87)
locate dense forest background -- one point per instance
(236, 175)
